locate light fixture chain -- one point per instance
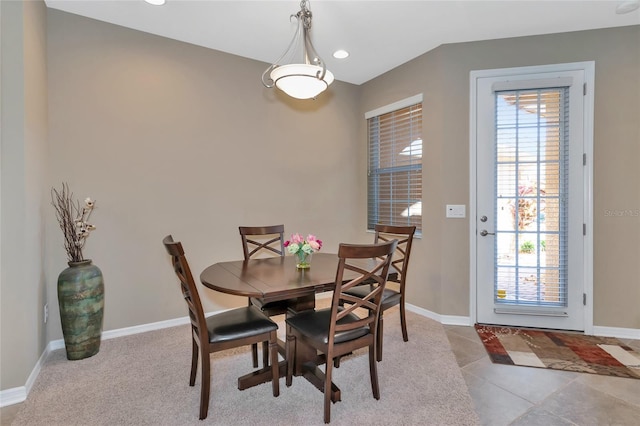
(305, 15)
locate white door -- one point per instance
(532, 132)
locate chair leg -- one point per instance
(254, 346)
(290, 349)
(194, 362)
(403, 322)
(275, 368)
(205, 386)
(379, 337)
(373, 372)
(254, 354)
(265, 354)
(327, 389)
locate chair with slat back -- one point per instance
(218, 332)
(351, 322)
(392, 297)
(259, 241)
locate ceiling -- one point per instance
(380, 35)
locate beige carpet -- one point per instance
(143, 380)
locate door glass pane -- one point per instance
(531, 195)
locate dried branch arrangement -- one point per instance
(73, 221)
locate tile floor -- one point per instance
(511, 395)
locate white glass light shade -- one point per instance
(300, 81)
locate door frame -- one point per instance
(589, 69)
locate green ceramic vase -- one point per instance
(81, 301)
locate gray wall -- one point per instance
(23, 190)
(440, 280)
(174, 138)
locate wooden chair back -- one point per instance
(404, 236)
(222, 331)
(254, 241)
(188, 287)
(352, 319)
(375, 275)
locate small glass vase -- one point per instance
(303, 260)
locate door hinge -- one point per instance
(584, 89)
(584, 299)
(584, 229)
(584, 159)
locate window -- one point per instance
(395, 164)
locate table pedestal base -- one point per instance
(309, 370)
(314, 375)
(306, 360)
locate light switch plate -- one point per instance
(456, 211)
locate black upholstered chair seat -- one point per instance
(389, 297)
(315, 325)
(271, 308)
(237, 324)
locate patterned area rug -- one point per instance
(560, 351)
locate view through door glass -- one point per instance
(531, 194)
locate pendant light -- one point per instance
(307, 78)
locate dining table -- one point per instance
(277, 278)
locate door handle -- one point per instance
(484, 233)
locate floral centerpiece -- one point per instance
(303, 248)
(73, 220)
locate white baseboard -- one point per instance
(442, 319)
(128, 331)
(620, 333)
(13, 396)
(19, 394)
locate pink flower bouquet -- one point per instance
(303, 248)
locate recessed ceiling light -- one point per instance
(340, 54)
(627, 6)
(155, 2)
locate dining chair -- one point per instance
(260, 241)
(351, 322)
(392, 297)
(218, 332)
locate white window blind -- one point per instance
(531, 157)
(395, 164)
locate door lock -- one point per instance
(483, 219)
(484, 233)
